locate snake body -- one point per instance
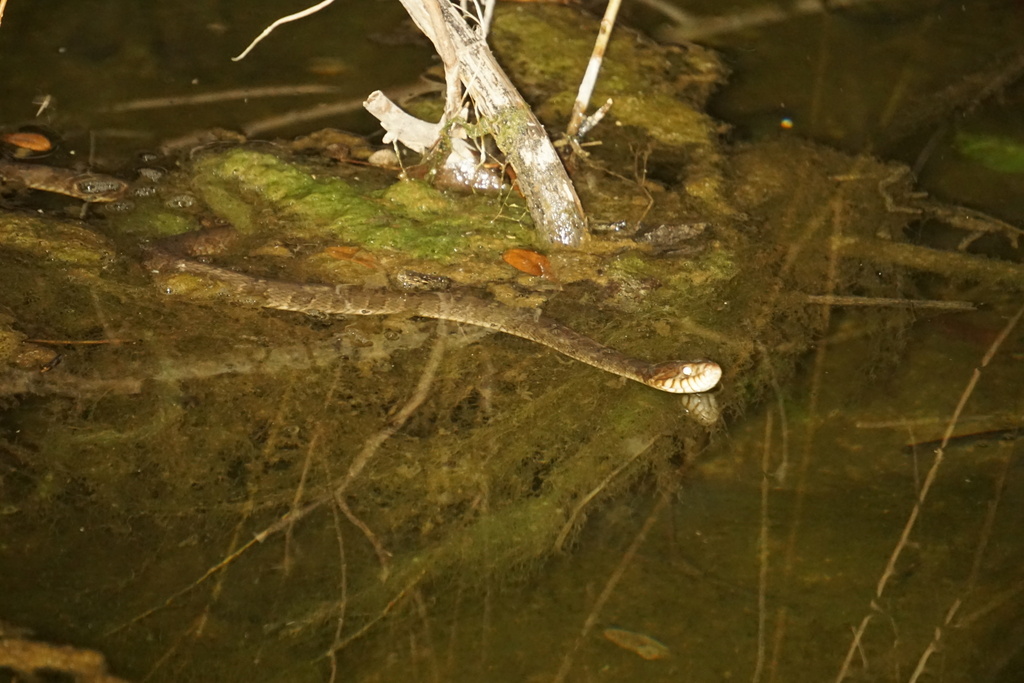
(89, 187)
(677, 377)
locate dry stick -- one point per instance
(294, 515)
(610, 585)
(427, 16)
(953, 103)
(248, 507)
(999, 600)
(283, 20)
(488, 17)
(416, 134)
(425, 651)
(300, 489)
(669, 10)
(589, 80)
(890, 567)
(910, 422)
(990, 520)
(81, 342)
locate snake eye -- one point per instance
(687, 370)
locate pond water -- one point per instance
(815, 535)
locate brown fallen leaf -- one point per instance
(355, 254)
(530, 262)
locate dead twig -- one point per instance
(283, 20)
(589, 80)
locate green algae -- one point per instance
(266, 195)
(998, 153)
(54, 240)
(657, 89)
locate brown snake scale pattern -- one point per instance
(677, 377)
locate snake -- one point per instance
(89, 187)
(676, 377)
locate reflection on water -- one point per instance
(762, 564)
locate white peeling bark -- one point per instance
(416, 134)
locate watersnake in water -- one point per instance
(89, 187)
(677, 377)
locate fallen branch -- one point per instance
(550, 196)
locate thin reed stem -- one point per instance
(762, 556)
(589, 80)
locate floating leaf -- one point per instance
(529, 262)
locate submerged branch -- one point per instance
(838, 300)
(955, 265)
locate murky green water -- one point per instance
(758, 564)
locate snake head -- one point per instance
(685, 377)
